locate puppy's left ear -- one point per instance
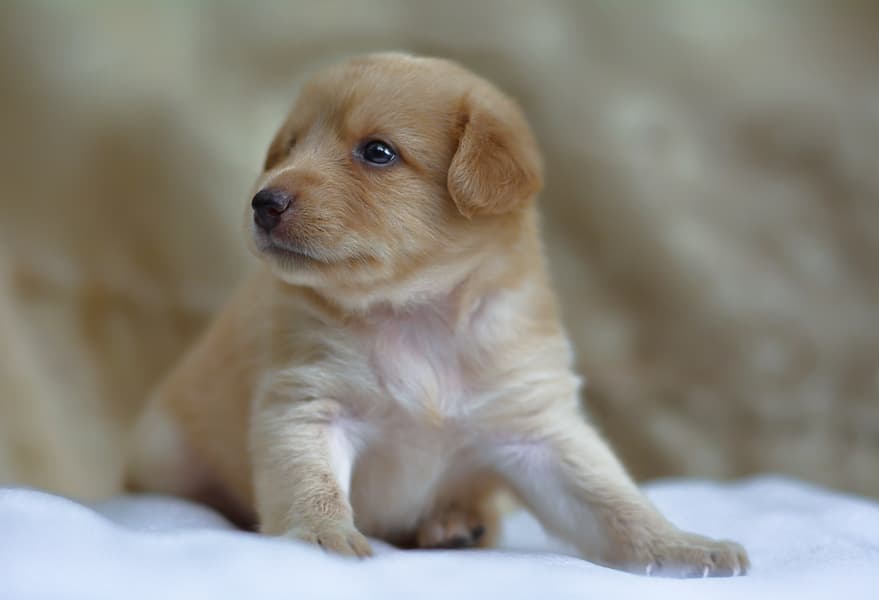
(497, 166)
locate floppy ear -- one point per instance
(497, 166)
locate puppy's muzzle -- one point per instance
(268, 206)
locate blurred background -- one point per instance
(712, 210)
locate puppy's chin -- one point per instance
(284, 257)
(303, 265)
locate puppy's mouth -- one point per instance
(284, 250)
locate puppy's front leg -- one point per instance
(302, 471)
(577, 488)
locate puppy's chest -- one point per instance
(421, 364)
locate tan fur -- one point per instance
(400, 356)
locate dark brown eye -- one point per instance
(377, 152)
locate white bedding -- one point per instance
(804, 542)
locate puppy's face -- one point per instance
(386, 164)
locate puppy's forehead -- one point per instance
(390, 94)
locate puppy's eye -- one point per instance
(377, 152)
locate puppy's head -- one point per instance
(387, 165)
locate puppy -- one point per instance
(399, 357)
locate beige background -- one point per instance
(712, 210)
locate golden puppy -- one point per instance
(400, 355)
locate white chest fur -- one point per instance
(419, 444)
(417, 358)
(431, 368)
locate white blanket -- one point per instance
(804, 542)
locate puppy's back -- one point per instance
(194, 434)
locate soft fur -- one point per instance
(400, 356)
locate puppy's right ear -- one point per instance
(279, 149)
(497, 166)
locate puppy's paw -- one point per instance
(682, 554)
(338, 538)
(450, 529)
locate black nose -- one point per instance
(268, 206)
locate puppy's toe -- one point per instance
(338, 538)
(452, 529)
(688, 555)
